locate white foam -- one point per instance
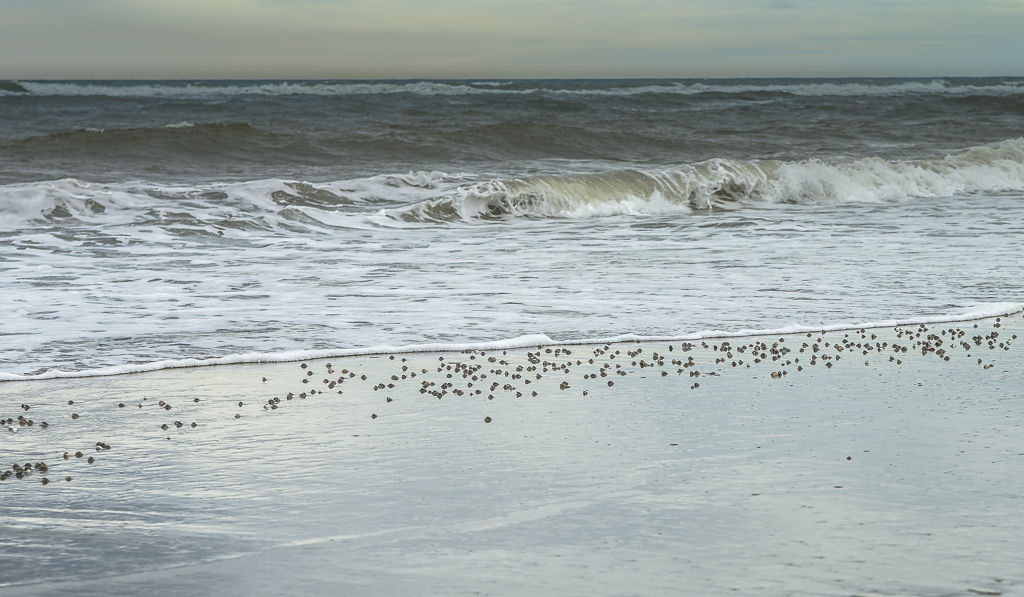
(978, 169)
(538, 340)
(23, 204)
(283, 357)
(981, 312)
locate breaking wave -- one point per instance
(729, 184)
(424, 198)
(11, 87)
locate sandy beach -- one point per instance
(637, 468)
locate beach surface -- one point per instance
(649, 468)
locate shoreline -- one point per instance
(520, 342)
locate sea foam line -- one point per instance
(806, 87)
(539, 340)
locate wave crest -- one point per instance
(729, 184)
(425, 198)
(167, 133)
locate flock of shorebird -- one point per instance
(478, 373)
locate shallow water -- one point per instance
(75, 307)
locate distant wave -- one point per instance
(11, 87)
(200, 89)
(242, 142)
(174, 142)
(978, 312)
(425, 198)
(118, 136)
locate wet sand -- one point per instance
(663, 470)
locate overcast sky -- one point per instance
(160, 39)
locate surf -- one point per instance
(446, 198)
(730, 185)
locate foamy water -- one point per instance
(138, 281)
(244, 221)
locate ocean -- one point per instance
(153, 224)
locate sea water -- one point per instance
(145, 224)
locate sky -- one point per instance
(379, 39)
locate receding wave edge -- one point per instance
(975, 313)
